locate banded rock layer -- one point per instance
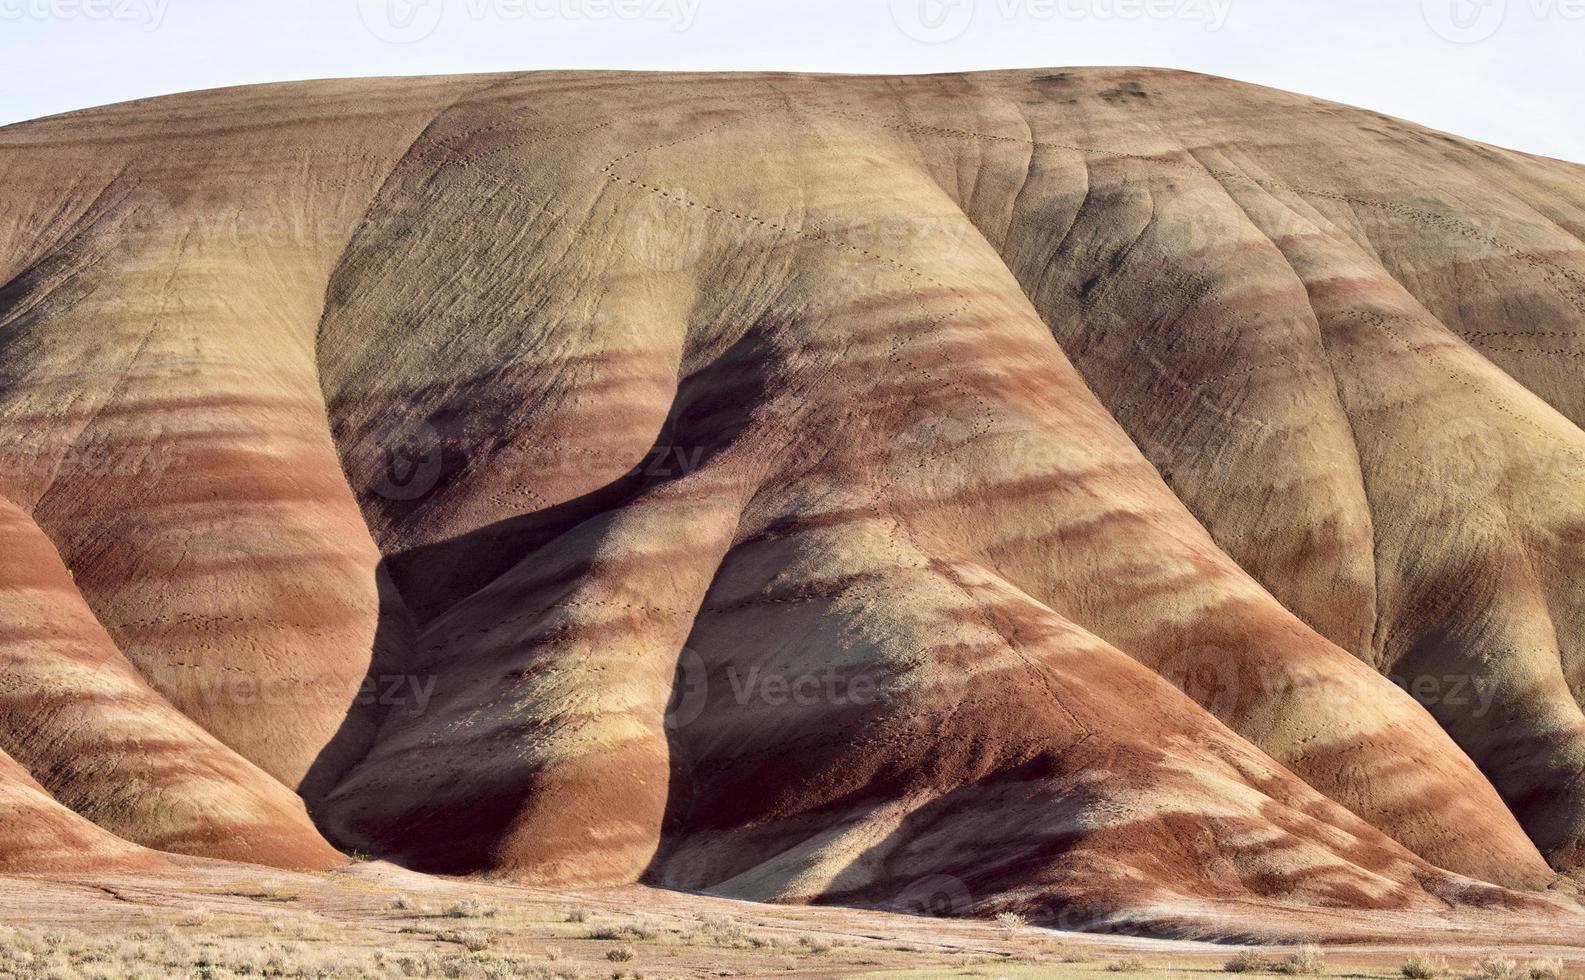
(1086, 492)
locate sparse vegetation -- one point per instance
(472, 940)
(1306, 960)
(471, 908)
(815, 944)
(1011, 922)
(347, 931)
(1544, 969)
(619, 954)
(1496, 968)
(726, 933)
(1424, 967)
(1248, 961)
(629, 931)
(151, 953)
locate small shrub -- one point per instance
(401, 903)
(471, 908)
(1423, 967)
(619, 954)
(1496, 968)
(1247, 961)
(1544, 969)
(815, 944)
(1011, 922)
(1304, 961)
(579, 914)
(1129, 964)
(727, 933)
(472, 941)
(631, 931)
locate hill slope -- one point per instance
(1082, 491)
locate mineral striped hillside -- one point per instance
(1105, 494)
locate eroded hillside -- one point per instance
(1086, 492)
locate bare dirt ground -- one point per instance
(215, 919)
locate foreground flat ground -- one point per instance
(216, 919)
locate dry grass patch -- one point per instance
(155, 954)
(472, 908)
(727, 934)
(1011, 923)
(1424, 967)
(1307, 960)
(619, 954)
(639, 931)
(1248, 961)
(472, 940)
(815, 944)
(1495, 968)
(1544, 969)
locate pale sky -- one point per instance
(1510, 72)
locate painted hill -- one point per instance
(1087, 492)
